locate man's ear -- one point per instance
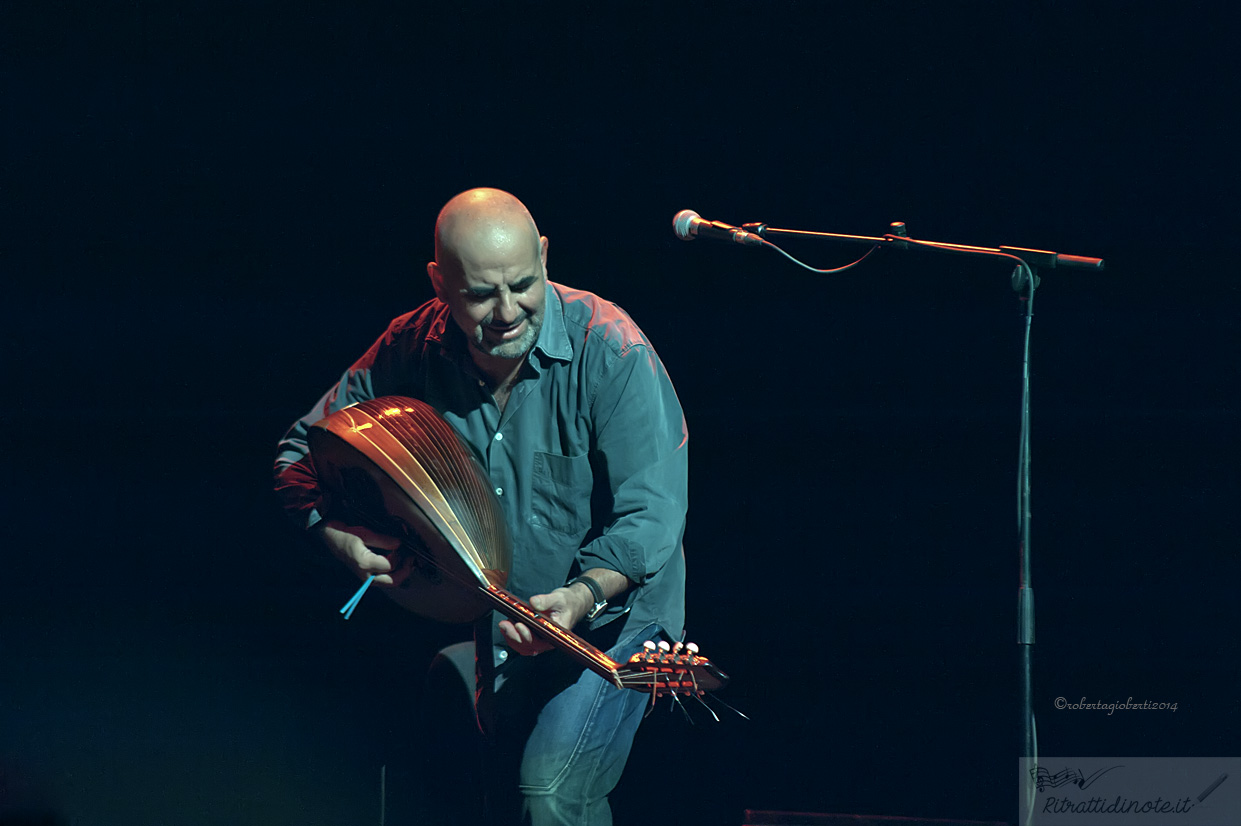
(437, 279)
(543, 253)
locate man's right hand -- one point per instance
(356, 546)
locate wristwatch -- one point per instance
(596, 593)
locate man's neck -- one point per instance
(502, 372)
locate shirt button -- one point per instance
(503, 654)
(499, 491)
(499, 437)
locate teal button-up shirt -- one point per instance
(588, 459)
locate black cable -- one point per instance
(831, 271)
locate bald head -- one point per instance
(490, 269)
(481, 225)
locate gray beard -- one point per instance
(511, 349)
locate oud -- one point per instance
(394, 465)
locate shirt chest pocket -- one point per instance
(560, 498)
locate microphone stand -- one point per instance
(1025, 280)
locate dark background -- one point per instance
(208, 210)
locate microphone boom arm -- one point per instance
(1042, 259)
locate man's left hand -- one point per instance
(563, 606)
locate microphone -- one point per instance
(689, 225)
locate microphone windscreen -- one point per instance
(683, 224)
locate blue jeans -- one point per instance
(558, 736)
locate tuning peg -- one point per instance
(677, 646)
(691, 648)
(649, 645)
(664, 647)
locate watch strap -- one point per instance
(596, 593)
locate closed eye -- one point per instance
(484, 293)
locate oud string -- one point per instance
(740, 714)
(684, 710)
(707, 707)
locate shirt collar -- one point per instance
(438, 331)
(554, 337)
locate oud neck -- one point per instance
(583, 652)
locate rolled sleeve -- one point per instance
(641, 448)
(296, 483)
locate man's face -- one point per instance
(497, 299)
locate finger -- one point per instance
(531, 644)
(548, 603)
(518, 634)
(402, 572)
(510, 633)
(370, 562)
(353, 552)
(372, 538)
(524, 637)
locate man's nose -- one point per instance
(507, 310)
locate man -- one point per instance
(578, 427)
